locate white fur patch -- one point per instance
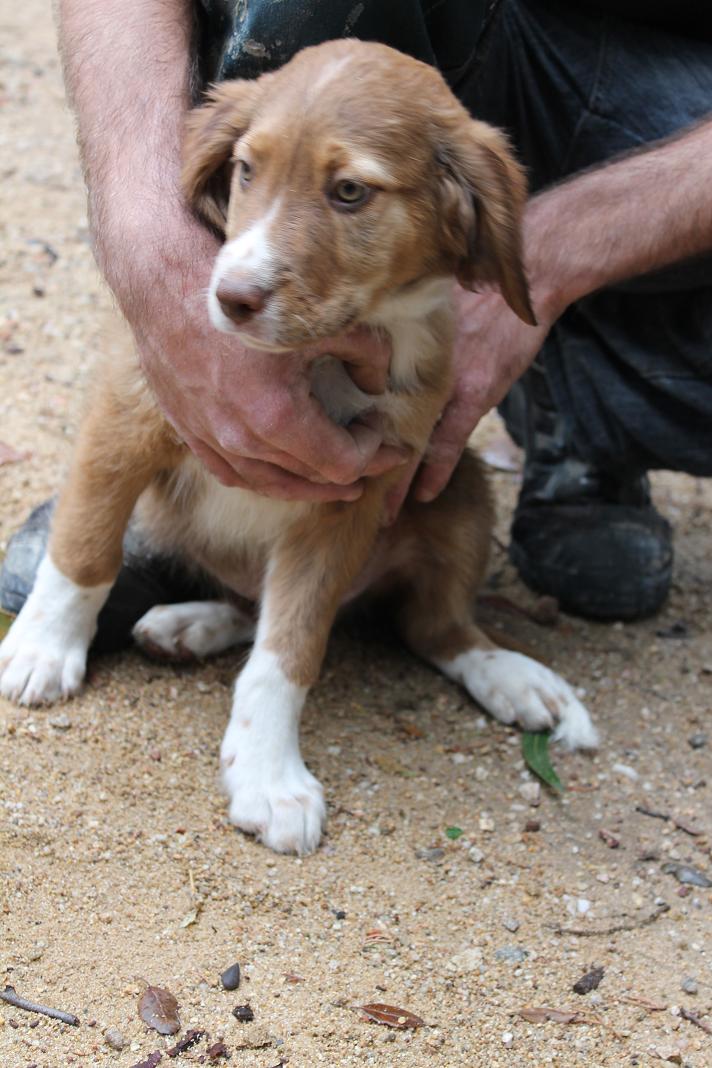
(249, 256)
(225, 518)
(43, 658)
(272, 794)
(194, 629)
(516, 689)
(404, 315)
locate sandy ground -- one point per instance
(114, 832)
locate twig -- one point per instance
(654, 815)
(668, 818)
(10, 995)
(645, 1003)
(687, 1015)
(632, 925)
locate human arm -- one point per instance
(249, 416)
(621, 220)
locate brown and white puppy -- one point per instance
(351, 187)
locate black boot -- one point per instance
(589, 537)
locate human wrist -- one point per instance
(552, 285)
(152, 251)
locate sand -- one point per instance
(118, 867)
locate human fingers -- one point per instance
(365, 351)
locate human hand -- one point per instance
(248, 414)
(493, 348)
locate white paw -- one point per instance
(516, 689)
(284, 809)
(38, 668)
(43, 658)
(272, 794)
(192, 630)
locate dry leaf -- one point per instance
(218, 1050)
(159, 1009)
(151, 1061)
(391, 1016)
(588, 982)
(8, 455)
(191, 1038)
(563, 1016)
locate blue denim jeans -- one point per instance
(629, 368)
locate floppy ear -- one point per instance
(211, 132)
(483, 192)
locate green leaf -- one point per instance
(535, 750)
(5, 623)
(453, 833)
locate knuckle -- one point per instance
(233, 440)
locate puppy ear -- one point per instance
(483, 194)
(211, 132)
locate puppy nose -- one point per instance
(241, 300)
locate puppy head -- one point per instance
(348, 176)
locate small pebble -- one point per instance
(61, 722)
(531, 792)
(625, 769)
(468, 960)
(507, 1039)
(511, 924)
(114, 1038)
(432, 855)
(689, 985)
(686, 874)
(243, 1013)
(476, 855)
(532, 826)
(511, 954)
(230, 978)
(698, 740)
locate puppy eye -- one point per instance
(245, 172)
(348, 195)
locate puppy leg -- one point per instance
(272, 794)
(435, 616)
(193, 630)
(43, 657)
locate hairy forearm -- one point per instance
(127, 71)
(634, 215)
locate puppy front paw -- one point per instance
(37, 667)
(44, 656)
(284, 808)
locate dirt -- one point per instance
(119, 868)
